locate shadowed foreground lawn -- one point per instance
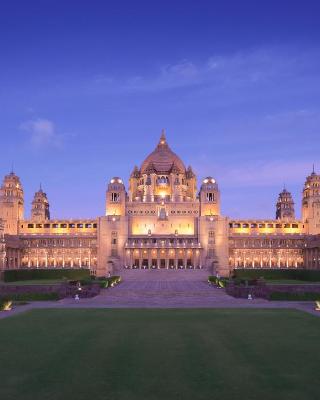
(160, 354)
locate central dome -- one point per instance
(162, 160)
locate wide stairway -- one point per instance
(163, 288)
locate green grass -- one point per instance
(159, 354)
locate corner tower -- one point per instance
(40, 210)
(116, 197)
(311, 203)
(209, 197)
(285, 206)
(11, 203)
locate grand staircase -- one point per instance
(163, 288)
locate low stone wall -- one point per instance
(264, 291)
(63, 290)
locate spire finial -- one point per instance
(313, 169)
(40, 187)
(12, 168)
(163, 137)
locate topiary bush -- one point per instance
(5, 305)
(113, 280)
(220, 282)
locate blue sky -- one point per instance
(87, 86)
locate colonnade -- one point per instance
(60, 259)
(163, 258)
(266, 259)
(312, 257)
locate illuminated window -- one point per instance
(115, 197)
(210, 196)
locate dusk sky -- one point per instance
(87, 86)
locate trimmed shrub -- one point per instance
(103, 283)
(113, 280)
(109, 282)
(5, 305)
(288, 296)
(13, 275)
(220, 282)
(269, 274)
(212, 279)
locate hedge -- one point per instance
(31, 296)
(287, 296)
(299, 274)
(13, 275)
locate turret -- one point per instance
(2, 246)
(148, 192)
(191, 184)
(115, 197)
(285, 206)
(11, 203)
(40, 210)
(311, 203)
(209, 197)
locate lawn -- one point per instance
(160, 354)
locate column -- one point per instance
(140, 258)
(149, 258)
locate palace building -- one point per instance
(163, 221)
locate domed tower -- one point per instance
(311, 203)
(167, 177)
(285, 206)
(116, 197)
(40, 210)
(11, 203)
(209, 197)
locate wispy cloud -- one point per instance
(263, 174)
(239, 69)
(42, 133)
